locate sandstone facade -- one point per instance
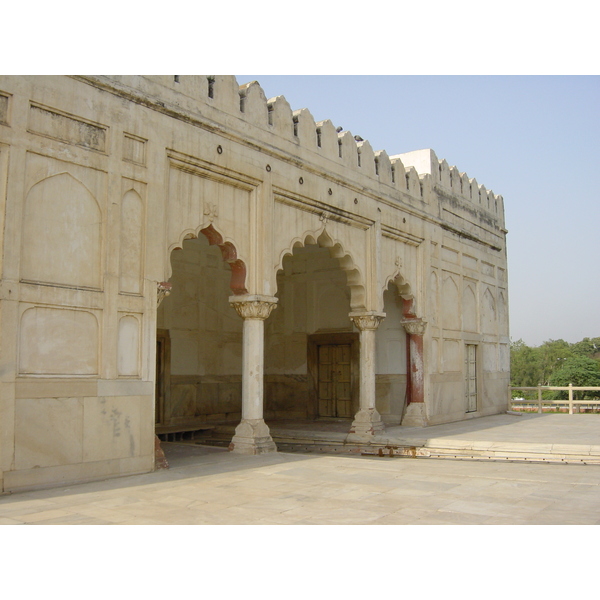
(180, 251)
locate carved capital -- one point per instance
(366, 321)
(163, 290)
(415, 326)
(253, 307)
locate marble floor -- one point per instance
(212, 486)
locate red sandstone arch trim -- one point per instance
(345, 260)
(415, 391)
(409, 308)
(228, 252)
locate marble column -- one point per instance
(367, 420)
(252, 435)
(415, 415)
(163, 289)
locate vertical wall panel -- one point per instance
(132, 243)
(61, 234)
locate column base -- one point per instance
(415, 415)
(252, 436)
(366, 424)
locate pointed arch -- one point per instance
(44, 173)
(131, 247)
(488, 312)
(450, 304)
(62, 233)
(502, 312)
(469, 304)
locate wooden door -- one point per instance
(335, 380)
(159, 398)
(471, 377)
(163, 375)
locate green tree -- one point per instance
(580, 371)
(524, 366)
(552, 356)
(589, 347)
(532, 366)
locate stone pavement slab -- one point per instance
(549, 437)
(213, 486)
(528, 428)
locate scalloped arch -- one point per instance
(345, 260)
(228, 252)
(409, 308)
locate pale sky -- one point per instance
(532, 139)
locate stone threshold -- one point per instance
(290, 437)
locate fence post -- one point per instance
(570, 398)
(540, 399)
(509, 397)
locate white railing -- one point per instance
(514, 402)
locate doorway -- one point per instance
(471, 377)
(163, 374)
(198, 343)
(333, 374)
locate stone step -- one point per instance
(334, 443)
(521, 455)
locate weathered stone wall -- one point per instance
(103, 178)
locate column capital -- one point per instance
(367, 320)
(163, 289)
(415, 326)
(253, 306)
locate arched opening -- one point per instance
(199, 340)
(401, 308)
(391, 358)
(311, 345)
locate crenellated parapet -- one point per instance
(414, 174)
(449, 180)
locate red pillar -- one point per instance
(415, 328)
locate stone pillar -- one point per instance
(367, 420)
(252, 435)
(415, 415)
(163, 289)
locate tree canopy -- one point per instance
(554, 361)
(580, 371)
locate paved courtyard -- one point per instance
(212, 486)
